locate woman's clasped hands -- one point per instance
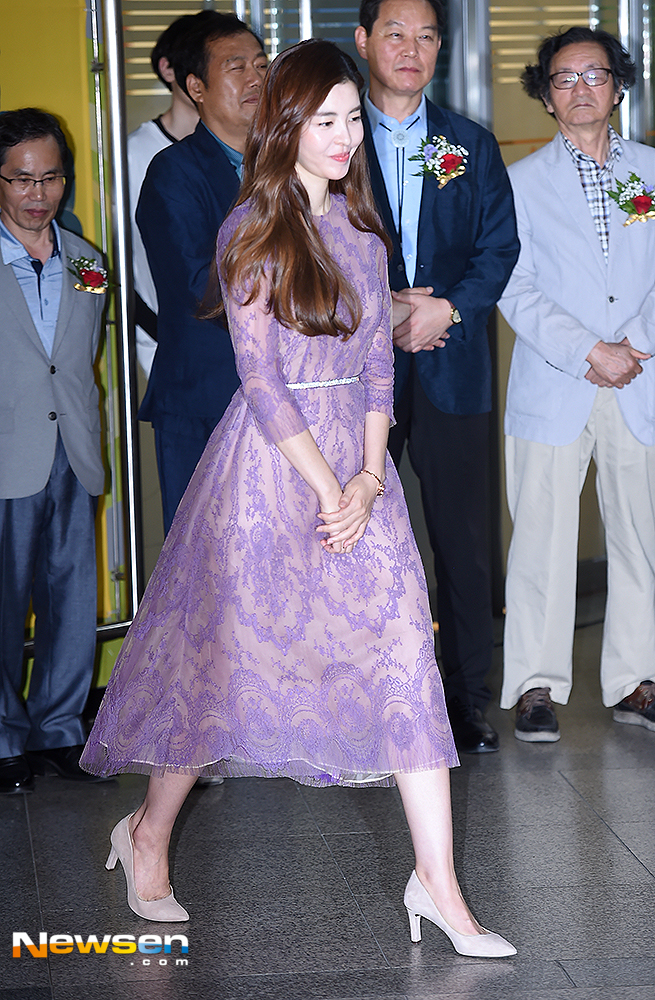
(346, 514)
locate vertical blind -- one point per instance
(518, 27)
(282, 24)
(143, 23)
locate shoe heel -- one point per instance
(111, 860)
(414, 925)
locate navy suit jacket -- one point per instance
(467, 247)
(188, 190)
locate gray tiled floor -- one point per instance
(296, 893)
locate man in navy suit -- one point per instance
(187, 192)
(454, 246)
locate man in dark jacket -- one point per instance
(187, 192)
(451, 218)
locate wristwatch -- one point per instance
(455, 315)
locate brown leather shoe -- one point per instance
(536, 721)
(638, 709)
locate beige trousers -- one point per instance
(544, 483)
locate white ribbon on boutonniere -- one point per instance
(635, 198)
(441, 159)
(90, 276)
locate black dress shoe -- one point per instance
(472, 732)
(15, 776)
(64, 761)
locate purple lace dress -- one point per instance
(255, 652)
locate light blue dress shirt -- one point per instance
(233, 155)
(42, 292)
(402, 178)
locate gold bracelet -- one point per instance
(380, 491)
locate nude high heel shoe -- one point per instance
(162, 910)
(419, 904)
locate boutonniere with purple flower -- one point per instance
(441, 159)
(635, 198)
(90, 277)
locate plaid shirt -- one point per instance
(596, 182)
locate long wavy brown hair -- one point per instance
(278, 239)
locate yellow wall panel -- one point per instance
(44, 64)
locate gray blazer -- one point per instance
(40, 394)
(563, 297)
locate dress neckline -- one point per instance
(322, 215)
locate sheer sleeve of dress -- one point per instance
(255, 337)
(377, 376)
(256, 340)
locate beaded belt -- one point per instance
(322, 385)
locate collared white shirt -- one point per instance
(42, 291)
(403, 178)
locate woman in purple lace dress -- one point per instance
(286, 630)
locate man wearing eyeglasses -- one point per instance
(581, 301)
(51, 471)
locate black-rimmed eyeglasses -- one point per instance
(24, 184)
(567, 79)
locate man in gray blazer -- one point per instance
(50, 466)
(581, 300)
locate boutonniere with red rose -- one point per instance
(90, 277)
(441, 159)
(635, 198)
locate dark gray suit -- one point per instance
(50, 473)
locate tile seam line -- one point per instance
(560, 966)
(606, 824)
(341, 872)
(38, 890)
